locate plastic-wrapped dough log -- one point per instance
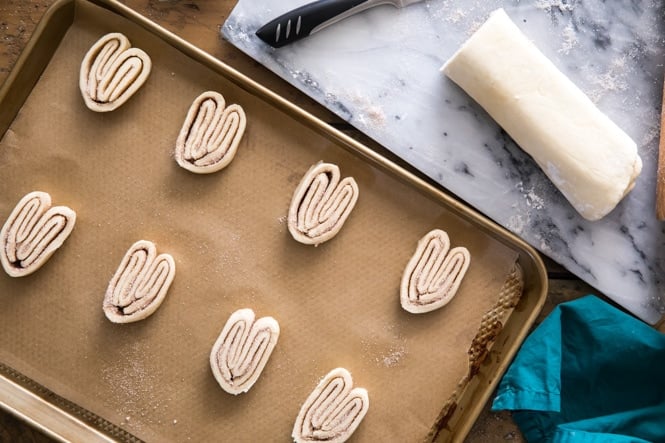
(588, 157)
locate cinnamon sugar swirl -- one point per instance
(210, 135)
(33, 232)
(242, 350)
(321, 204)
(111, 72)
(333, 411)
(139, 285)
(434, 273)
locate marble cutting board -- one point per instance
(379, 71)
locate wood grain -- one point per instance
(199, 22)
(660, 178)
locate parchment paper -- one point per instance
(337, 304)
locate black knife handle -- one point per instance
(300, 22)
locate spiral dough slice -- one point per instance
(139, 285)
(433, 274)
(242, 350)
(333, 411)
(209, 138)
(111, 72)
(33, 232)
(321, 204)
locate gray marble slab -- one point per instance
(379, 71)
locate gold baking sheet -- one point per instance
(337, 304)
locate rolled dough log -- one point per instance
(588, 157)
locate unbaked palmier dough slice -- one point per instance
(333, 411)
(434, 273)
(321, 204)
(210, 135)
(111, 72)
(242, 350)
(139, 285)
(33, 232)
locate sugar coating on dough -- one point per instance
(321, 204)
(210, 134)
(434, 273)
(242, 350)
(333, 411)
(589, 158)
(139, 285)
(33, 232)
(112, 72)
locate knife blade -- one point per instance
(313, 17)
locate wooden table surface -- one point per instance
(199, 22)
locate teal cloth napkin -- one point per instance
(588, 373)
